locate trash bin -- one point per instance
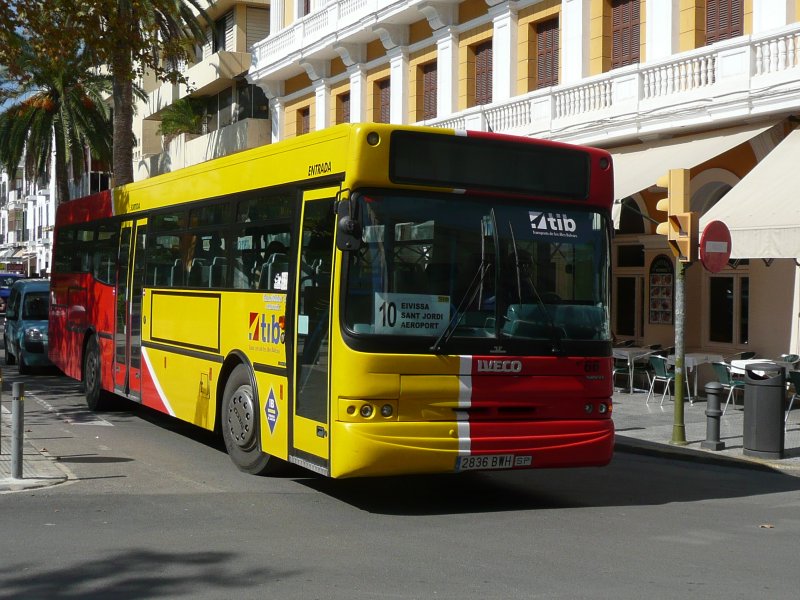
(764, 397)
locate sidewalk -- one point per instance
(648, 428)
(38, 469)
(641, 428)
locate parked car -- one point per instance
(6, 281)
(25, 329)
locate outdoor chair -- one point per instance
(792, 359)
(723, 372)
(794, 379)
(621, 368)
(664, 375)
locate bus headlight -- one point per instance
(366, 411)
(386, 410)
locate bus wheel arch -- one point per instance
(239, 419)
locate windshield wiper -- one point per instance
(555, 332)
(466, 300)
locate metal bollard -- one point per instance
(17, 426)
(714, 391)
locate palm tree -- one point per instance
(57, 111)
(182, 116)
(151, 28)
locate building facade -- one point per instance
(707, 85)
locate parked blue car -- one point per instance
(6, 281)
(25, 329)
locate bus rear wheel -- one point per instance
(240, 417)
(96, 399)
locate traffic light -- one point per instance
(681, 224)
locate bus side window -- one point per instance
(260, 256)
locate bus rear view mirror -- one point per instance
(348, 235)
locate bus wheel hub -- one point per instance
(241, 418)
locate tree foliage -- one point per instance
(130, 37)
(183, 116)
(57, 109)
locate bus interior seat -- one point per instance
(219, 271)
(277, 263)
(198, 273)
(161, 274)
(176, 274)
(526, 320)
(242, 275)
(103, 265)
(581, 322)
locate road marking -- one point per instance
(83, 417)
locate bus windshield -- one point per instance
(431, 266)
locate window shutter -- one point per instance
(384, 101)
(547, 53)
(724, 19)
(230, 45)
(344, 108)
(303, 120)
(257, 25)
(429, 90)
(625, 38)
(483, 73)
(208, 46)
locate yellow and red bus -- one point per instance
(364, 300)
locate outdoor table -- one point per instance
(691, 360)
(739, 366)
(630, 354)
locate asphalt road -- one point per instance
(155, 509)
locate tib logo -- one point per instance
(542, 222)
(262, 330)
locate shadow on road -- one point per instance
(141, 573)
(630, 480)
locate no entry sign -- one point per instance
(715, 246)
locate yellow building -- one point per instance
(706, 85)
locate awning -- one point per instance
(20, 253)
(763, 210)
(6, 253)
(639, 166)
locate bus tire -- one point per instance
(239, 420)
(92, 382)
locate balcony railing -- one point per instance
(740, 78)
(732, 79)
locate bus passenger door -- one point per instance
(128, 330)
(312, 325)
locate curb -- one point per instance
(636, 446)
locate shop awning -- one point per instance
(6, 253)
(763, 210)
(639, 166)
(20, 253)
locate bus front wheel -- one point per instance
(240, 419)
(95, 398)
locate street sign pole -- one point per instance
(678, 425)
